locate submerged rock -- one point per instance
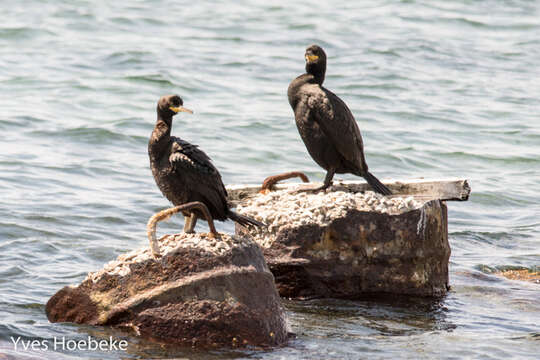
(201, 292)
(529, 275)
(340, 244)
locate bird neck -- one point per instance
(318, 71)
(160, 137)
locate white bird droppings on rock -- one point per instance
(280, 209)
(167, 244)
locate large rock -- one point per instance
(201, 292)
(340, 244)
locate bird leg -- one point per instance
(189, 223)
(327, 183)
(270, 181)
(328, 179)
(167, 213)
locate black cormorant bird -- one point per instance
(326, 124)
(184, 173)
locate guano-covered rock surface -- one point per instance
(201, 292)
(345, 244)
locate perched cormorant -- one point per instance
(184, 173)
(326, 124)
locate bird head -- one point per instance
(170, 105)
(315, 61)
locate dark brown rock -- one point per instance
(363, 252)
(202, 292)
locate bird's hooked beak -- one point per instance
(311, 58)
(180, 109)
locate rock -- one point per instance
(397, 246)
(524, 274)
(201, 292)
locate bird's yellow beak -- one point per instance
(311, 58)
(180, 109)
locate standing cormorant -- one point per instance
(184, 173)
(326, 124)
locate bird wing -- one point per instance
(338, 124)
(198, 170)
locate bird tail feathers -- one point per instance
(376, 184)
(244, 220)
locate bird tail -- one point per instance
(244, 220)
(376, 184)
